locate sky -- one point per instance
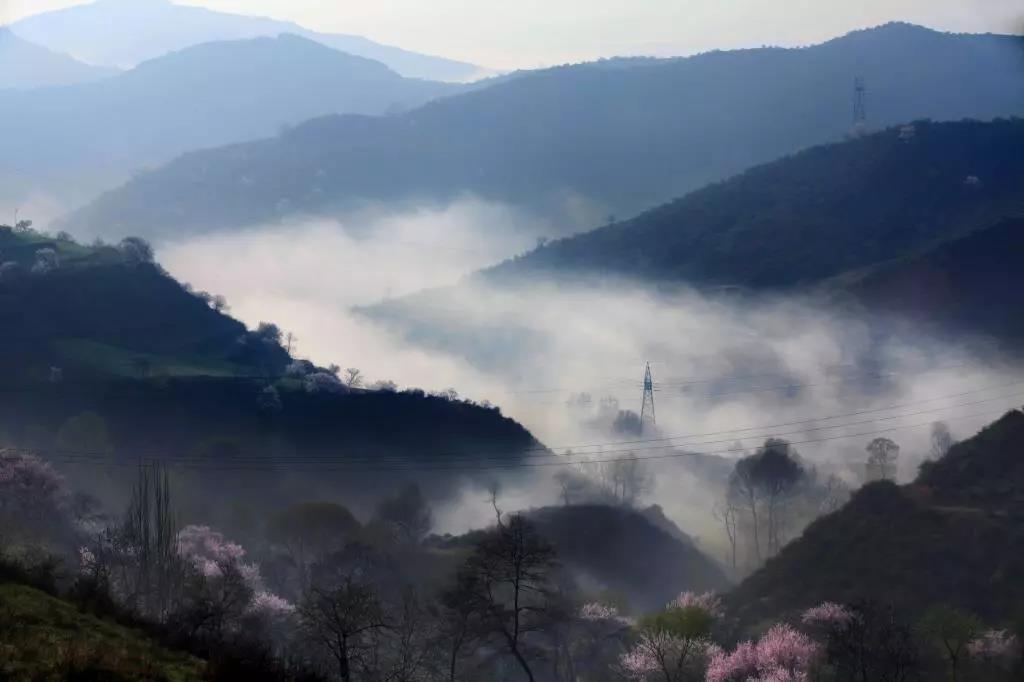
(529, 33)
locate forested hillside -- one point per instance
(812, 215)
(952, 537)
(107, 359)
(967, 283)
(611, 137)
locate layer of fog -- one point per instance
(720, 364)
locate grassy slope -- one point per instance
(44, 638)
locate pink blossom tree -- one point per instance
(674, 644)
(781, 655)
(995, 648)
(827, 615)
(214, 556)
(34, 498)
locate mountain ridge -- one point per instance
(208, 94)
(583, 140)
(25, 65)
(155, 27)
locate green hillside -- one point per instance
(43, 638)
(97, 311)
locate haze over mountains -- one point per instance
(322, 431)
(582, 141)
(26, 65)
(124, 33)
(71, 141)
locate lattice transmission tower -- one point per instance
(647, 410)
(860, 105)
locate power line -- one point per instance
(84, 456)
(413, 466)
(639, 444)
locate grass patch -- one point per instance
(44, 638)
(122, 362)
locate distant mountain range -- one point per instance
(613, 137)
(81, 138)
(26, 65)
(124, 33)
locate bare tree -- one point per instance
(460, 623)
(941, 441)
(882, 456)
(139, 558)
(507, 583)
(726, 512)
(353, 377)
(342, 621)
(761, 484)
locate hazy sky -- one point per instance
(525, 33)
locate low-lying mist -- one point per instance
(567, 359)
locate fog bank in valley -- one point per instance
(567, 359)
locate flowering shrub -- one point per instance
(827, 614)
(781, 655)
(213, 555)
(708, 602)
(596, 612)
(33, 496)
(268, 603)
(995, 646)
(210, 552)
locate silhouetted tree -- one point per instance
(408, 512)
(507, 583)
(342, 621)
(882, 456)
(136, 250)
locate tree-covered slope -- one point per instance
(103, 355)
(626, 553)
(970, 283)
(98, 311)
(815, 214)
(617, 136)
(955, 536)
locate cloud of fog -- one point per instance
(720, 363)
